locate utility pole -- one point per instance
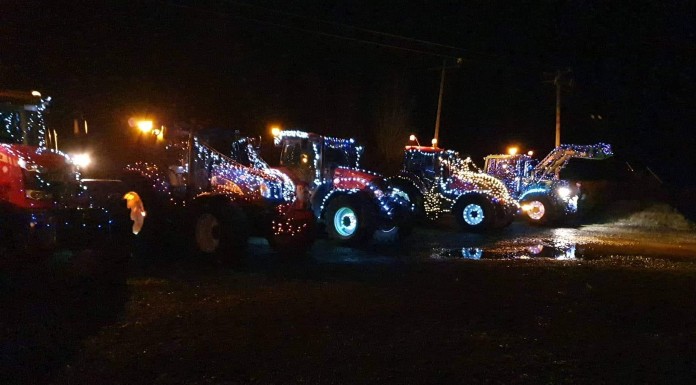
(436, 137)
(559, 80)
(439, 105)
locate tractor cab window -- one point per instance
(240, 152)
(420, 162)
(299, 155)
(334, 157)
(21, 126)
(11, 130)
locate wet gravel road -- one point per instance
(592, 304)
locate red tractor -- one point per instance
(213, 191)
(354, 204)
(43, 203)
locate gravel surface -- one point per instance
(621, 310)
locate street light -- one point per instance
(434, 142)
(512, 150)
(144, 125)
(413, 138)
(275, 131)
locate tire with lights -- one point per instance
(474, 213)
(350, 219)
(221, 231)
(539, 210)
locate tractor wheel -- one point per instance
(474, 213)
(350, 219)
(393, 234)
(539, 210)
(221, 233)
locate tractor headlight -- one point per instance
(563, 192)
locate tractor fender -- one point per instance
(333, 194)
(215, 200)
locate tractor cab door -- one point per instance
(420, 163)
(302, 157)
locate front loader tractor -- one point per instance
(213, 189)
(543, 195)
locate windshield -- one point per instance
(21, 126)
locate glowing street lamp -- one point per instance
(512, 150)
(413, 138)
(530, 152)
(144, 125)
(275, 131)
(434, 142)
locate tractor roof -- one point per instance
(428, 149)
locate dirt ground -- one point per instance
(621, 310)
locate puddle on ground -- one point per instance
(561, 252)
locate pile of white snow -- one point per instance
(657, 216)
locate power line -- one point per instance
(371, 31)
(317, 32)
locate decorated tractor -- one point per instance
(43, 203)
(213, 191)
(355, 205)
(438, 181)
(543, 195)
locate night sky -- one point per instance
(320, 66)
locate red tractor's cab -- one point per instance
(353, 203)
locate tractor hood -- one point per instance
(464, 180)
(352, 178)
(31, 158)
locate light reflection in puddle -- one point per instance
(560, 252)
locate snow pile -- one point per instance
(657, 215)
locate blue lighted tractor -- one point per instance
(355, 205)
(544, 196)
(212, 190)
(439, 181)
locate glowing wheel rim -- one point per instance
(207, 233)
(536, 210)
(345, 222)
(473, 214)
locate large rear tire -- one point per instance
(474, 213)
(221, 233)
(350, 219)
